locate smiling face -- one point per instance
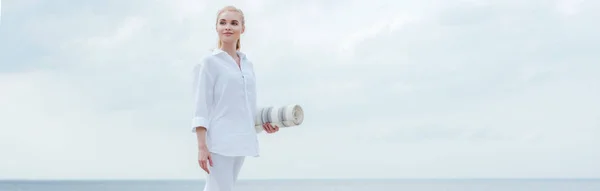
(230, 26)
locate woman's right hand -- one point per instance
(204, 158)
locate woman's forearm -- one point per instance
(201, 136)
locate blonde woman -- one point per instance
(225, 105)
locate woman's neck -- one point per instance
(230, 49)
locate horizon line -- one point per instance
(279, 179)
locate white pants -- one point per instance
(224, 172)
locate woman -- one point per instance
(225, 105)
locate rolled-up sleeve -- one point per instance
(203, 92)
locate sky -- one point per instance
(389, 88)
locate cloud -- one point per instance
(437, 89)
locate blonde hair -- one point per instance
(231, 8)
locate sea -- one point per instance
(310, 185)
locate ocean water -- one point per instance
(310, 185)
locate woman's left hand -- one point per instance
(270, 128)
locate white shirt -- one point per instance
(225, 103)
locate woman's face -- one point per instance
(229, 26)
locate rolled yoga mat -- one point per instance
(283, 116)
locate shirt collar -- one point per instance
(218, 51)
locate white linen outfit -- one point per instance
(225, 103)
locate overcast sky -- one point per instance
(390, 89)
